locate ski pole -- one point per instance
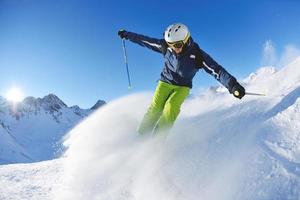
(256, 94)
(126, 63)
(236, 93)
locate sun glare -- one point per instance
(15, 95)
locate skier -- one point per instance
(183, 59)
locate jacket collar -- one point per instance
(186, 47)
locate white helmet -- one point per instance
(177, 32)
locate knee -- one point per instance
(172, 109)
(155, 108)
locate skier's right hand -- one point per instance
(122, 34)
(238, 91)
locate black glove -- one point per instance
(238, 91)
(122, 34)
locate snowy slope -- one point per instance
(221, 148)
(33, 129)
(33, 181)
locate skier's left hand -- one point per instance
(122, 34)
(238, 91)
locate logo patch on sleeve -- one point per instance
(192, 56)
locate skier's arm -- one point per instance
(213, 68)
(158, 45)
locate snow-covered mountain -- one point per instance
(32, 130)
(220, 148)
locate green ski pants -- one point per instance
(164, 108)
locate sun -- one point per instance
(15, 95)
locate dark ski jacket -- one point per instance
(181, 69)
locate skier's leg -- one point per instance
(162, 92)
(171, 109)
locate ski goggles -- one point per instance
(176, 45)
(179, 44)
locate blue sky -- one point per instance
(71, 48)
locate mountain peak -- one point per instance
(50, 102)
(54, 101)
(29, 100)
(98, 104)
